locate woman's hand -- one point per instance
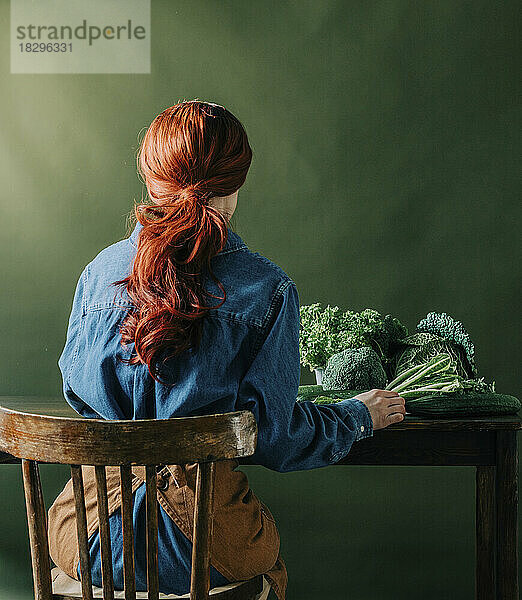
(385, 407)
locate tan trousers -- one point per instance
(245, 540)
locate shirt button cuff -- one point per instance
(361, 415)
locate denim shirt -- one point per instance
(248, 358)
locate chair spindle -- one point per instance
(105, 534)
(128, 532)
(36, 520)
(81, 528)
(202, 536)
(152, 532)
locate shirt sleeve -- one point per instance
(74, 328)
(294, 435)
(69, 354)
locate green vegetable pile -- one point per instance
(325, 332)
(433, 369)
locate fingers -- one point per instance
(386, 393)
(396, 408)
(396, 402)
(397, 412)
(385, 406)
(394, 418)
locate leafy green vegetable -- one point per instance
(437, 374)
(419, 348)
(354, 368)
(328, 331)
(447, 328)
(326, 400)
(419, 365)
(321, 334)
(309, 391)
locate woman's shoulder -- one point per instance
(263, 267)
(252, 283)
(240, 258)
(110, 264)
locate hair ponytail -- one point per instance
(191, 152)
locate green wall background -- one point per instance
(384, 175)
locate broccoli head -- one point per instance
(447, 328)
(354, 369)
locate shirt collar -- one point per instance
(233, 243)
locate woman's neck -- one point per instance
(225, 204)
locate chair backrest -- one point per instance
(148, 442)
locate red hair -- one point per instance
(191, 152)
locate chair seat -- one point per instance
(66, 587)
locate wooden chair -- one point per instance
(149, 442)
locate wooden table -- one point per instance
(489, 444)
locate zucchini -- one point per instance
(317, 394)
(463, 405)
